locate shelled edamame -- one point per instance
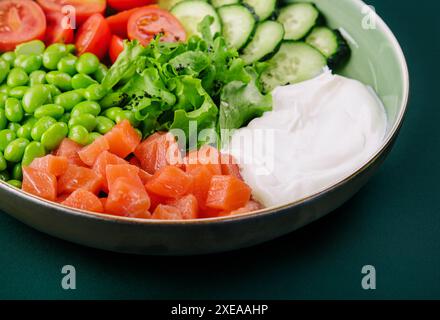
(46, 95)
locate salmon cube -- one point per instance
(114, 172)
(123, 139)
(188, 206)
(50, 164)
(201, 181)
(229, 166)
(39, 183)
(79, 178)
(84, 200)
(170, 182)
(106, 158)
(69, 149)
(167, 212)
(90, 153)
(207, 156)
(227, 193)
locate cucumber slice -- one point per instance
(295, 62)
(238, 25)
(262, 8)
(191, 12)
(221, 3)
(265, 43)
(331, 44)
(298, 19)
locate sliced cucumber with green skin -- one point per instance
(294, 62)
(298, 19)
(191, 12)
(265, 43)
(331, 44)
(262, 8)
(221, 3)
(238, 25)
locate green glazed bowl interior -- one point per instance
(377, 60)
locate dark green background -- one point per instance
(393, 224)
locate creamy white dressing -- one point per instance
(319, 132)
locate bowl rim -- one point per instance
(383, 27)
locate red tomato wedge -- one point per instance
(94, 36)
(188, 206)
(84, 200)
(170, 182)
(55, 32)
(51, 164)
(83, 8)
(207, 156)
(114, 172)
(90, 153)
(146, 23)
(40, 184)
(121, 5)
(105, 159)
(69, 149)
(79, 178)
(227, 193)
(158, 151)
(166, 212)
(127, 199)
(20, 21)
(118, 22)
(116, 47)
(123, 139)
(200, 184)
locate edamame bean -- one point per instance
(17, 172)
(71, 48)
(26, 129)
(112, 113)
(14, 126)
(3, 98)
(15, 183)
(3, 119)
(100, 74)
(65, 118)
(79, 134)
(86, 120)
(17, 77)
(41, 127)
(60, 79)
(104, 124)
(4, 176)
(6, 137)
(3, 163)
(52, 138)
(111, 100)
(86, 107)
(13, 110)
(54, 91)
(94, 92)
(67, 64)
(81, 81)
(35, 97)
(18, 92)
(4, 89)
(49, 110)
(33, 150)
(93, 136)
(53, 55)
(32, 47)
(28, 63)
(127, 115)
(9, 57)
(70, 99)
(4, 70)
(37, 77)
(88, 63)
(15, 150)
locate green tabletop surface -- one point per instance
(393, 224)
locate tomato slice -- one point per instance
(145, 23)
(20, 21)
(121, 5)
(94, 36)
(118, 22)
(83, 8)
(116, 47)
(55, 32)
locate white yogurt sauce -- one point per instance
(319, 132)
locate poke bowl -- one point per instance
(375, 60)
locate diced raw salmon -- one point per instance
(200, 184)
(39, 183)
(167, 212)
(79, 178)
(50, 164)
(187, 205)
(170, 182)
(106, 158)
(90, 153)
(84, 200)
(156, 200)
(69, 149)
(206, 156)
(227, 193)
(230, 167)
(114, 172)
(123, 139)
